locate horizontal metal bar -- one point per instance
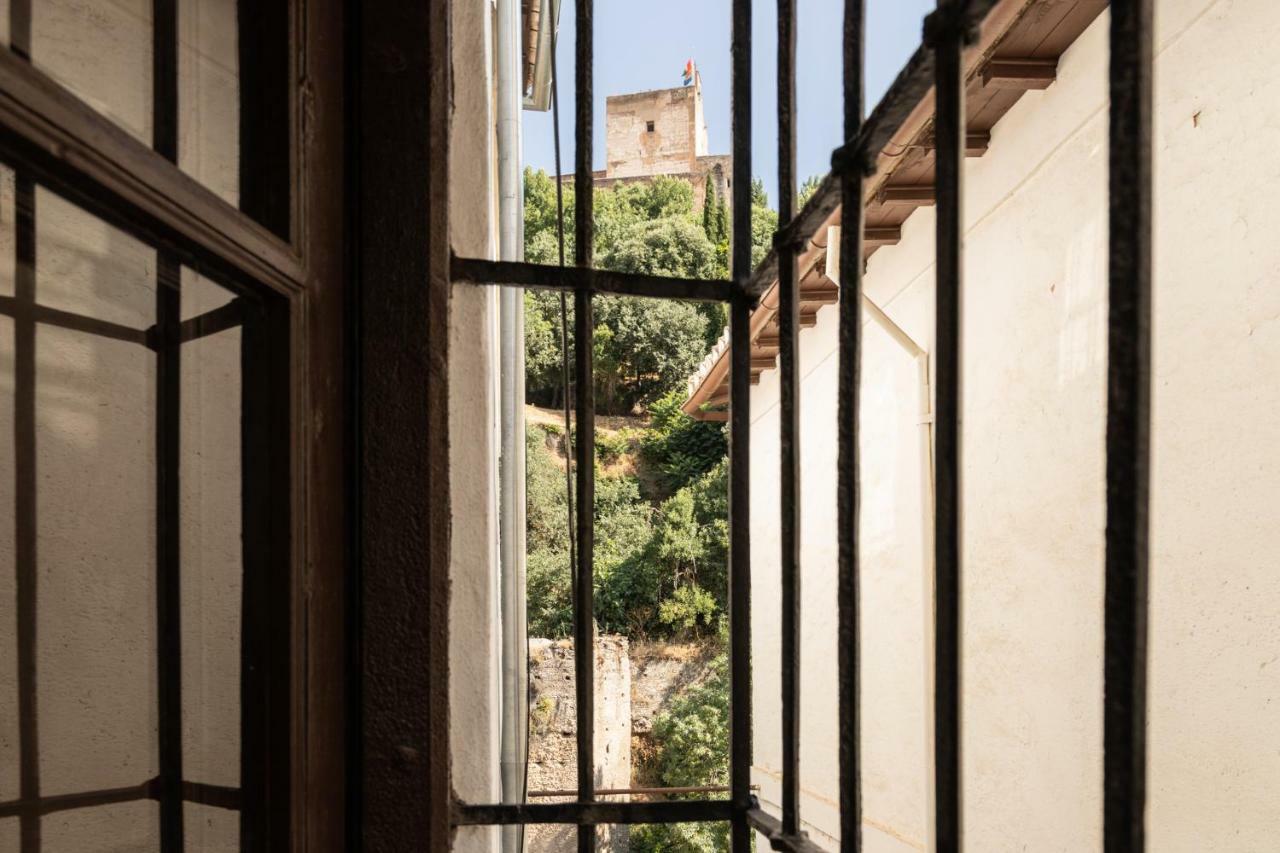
(771, 828)
(589, 814)
(212, 322)
(77, 322)
(83, 799)
(552, 277)
(219, 796)
(649, 792)
(83, 155)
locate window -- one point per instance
(937, 64)
(648, 126)
(145, 325)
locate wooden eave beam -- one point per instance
(1020, 74)
(888, 235)
(976, 143)
(917, 194)
(819, 295)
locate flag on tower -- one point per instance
(688, 72)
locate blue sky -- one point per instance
(637, 47)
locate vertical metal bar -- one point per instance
(168, 561)
(584, 323)
(24, 444)
(164, 78)
(740, 734)
(847, 495)
(265, 672)
(946, 33)
(266, 161)
(1128, 428)
(164, 111)
(24, 467)
(788, 327)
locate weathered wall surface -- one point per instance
(671, 147)
(660, 672)
(474, 634)
(1034, 379)
(553, 731)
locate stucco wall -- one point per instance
(1034, 374)
(95, 460)
(473, 450)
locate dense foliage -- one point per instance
(644, 348)
(694, 736)
(660, 566)
(661, 501)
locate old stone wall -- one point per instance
(653, 133)
(553, 727)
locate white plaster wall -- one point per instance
(473, 426)
(1035, 361)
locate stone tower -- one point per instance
(663, 132)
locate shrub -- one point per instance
(691, 742)
(678, 447)
(688, 606)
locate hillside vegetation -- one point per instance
(661, 477)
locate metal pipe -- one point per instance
(511, 514)
(925, 404)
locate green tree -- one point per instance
(764, 222)
(807, 189)
(678, 447)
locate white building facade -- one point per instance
(1034, 382)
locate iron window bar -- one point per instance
(847, 462)
(1128, 426)
(947, 31)
(936, 64)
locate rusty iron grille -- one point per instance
(937, 64)
(262, 652)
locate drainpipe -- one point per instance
(925, 403)
(511, 513)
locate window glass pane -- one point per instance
(95, 546)
(8, 586)
(209, 95)
(210, 830)
(89, 268)
(6, 231)
(83, 514)
(102, 53)
(104, 829)
(211, 546)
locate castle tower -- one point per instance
(660, 132)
